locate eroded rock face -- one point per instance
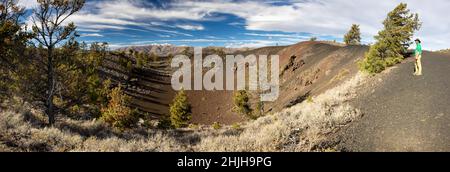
(293, 65)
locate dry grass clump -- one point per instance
(20, 132)
(302, 127)
(153, 143)
(299, 128)
(19, 135)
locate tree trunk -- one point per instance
(50, 87)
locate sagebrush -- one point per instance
(299, 128)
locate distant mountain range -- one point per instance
(167, 49)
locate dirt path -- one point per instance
(404, 112)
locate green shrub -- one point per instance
(236, 126)
(259, 109)
(117, 113)
(164, 123)
(139, 63)
(141, 59)
(216, 126)
(180, 110)
(310, 99)
(379, 58)
(241, 103)
(129, 66)
(194, 126)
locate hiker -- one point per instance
(418, 54)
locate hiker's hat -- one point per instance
(418, 40)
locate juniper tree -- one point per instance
(393, 41)
(353, 36)
(180, 110)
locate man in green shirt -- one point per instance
(418, 54)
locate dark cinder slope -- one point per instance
(310, 68)
(404, 112)
(149, 87)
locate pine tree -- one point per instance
(141, 59)
(313, 39)
(50, 30)
(399, 27)
(81, 83)
(75, 69)
(353, 37)
(117, 113)
(180, 110)
(392, 41)
(241, 103)
(13, 40)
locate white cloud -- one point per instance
(236, 24)
(27, 4)
(331, 17)
(211, 37)
(128, 9)
(326, 17)
(164, 36)
(278, 35)
(246, 43)
(88, 30)
(251, 44)
(92, 35)
(190, 27)
(119, 15)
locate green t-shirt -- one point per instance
(419, 49)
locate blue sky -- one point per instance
(250, 23)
